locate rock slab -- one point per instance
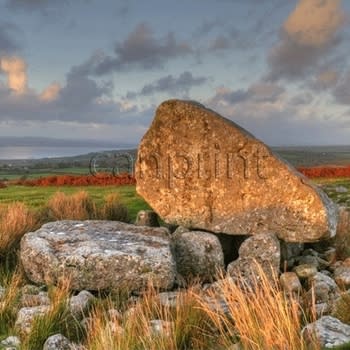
(200, 170)
(99, 255)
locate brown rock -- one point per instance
(200, 170)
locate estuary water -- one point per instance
(21, 152)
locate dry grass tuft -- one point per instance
(57, 320)
(260, 315)
(113, 209)
(185, 326)
(15, 220)
(78, 206)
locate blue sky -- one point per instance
(96, 70)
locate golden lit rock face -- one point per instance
(200, 170)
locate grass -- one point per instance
(36, 197)
(58, 319)
(260, 315)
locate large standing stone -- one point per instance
(200, 170)
(99, 255)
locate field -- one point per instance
(194, 324)
(36, 197)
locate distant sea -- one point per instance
(21, 152)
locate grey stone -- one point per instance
(99, 255)
(329, 332)
(161, 327)
(200, 170)
(263, 250)
(57, 342)
(42, 298)
(197, 255)
(290, 283)
(305, 270)
(171, 299)
(341, 189)
(26, 316)
(80, 303)
(342, 276)
(289, 253)
(11, 341)
(147, 218)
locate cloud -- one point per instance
(16, 70)
(171, 85)
(325, 79)
(34, 4)
(258, 93)
(314, 23)
(141, 49)
(51, 93)
(308, 34)
(7, 43)
(278, 119)
(302, 99)
(341, 92)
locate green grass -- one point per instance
(33, 174)
(36, 197)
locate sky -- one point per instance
(94, 71)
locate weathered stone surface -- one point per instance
(197, 255)
(147, 218)
(99, 255)
(79, 304)
(329, 332)
(290, 283)
(200, 170)
(259, 252)
(57, 342)
(26, 316)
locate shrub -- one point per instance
(113, 209)
(78, 206)
(188, 326)
(15, 220)
(260, 315)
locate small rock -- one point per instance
(197, 255)
(170, 299)
(261, 249)
(290, 283)
(341, 189)
(26, 315)
(147, 218)
(162, 328)
(29, 300)
(80, 303)
(342, 276)
(11, 341)
(289, 253)
(305, 271)
(329, 332)
(57, 342)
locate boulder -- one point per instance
(259, 253)
(197, 255)
(99, 255)
(328, 331)
(200, 170)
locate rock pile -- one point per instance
(238, 209)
